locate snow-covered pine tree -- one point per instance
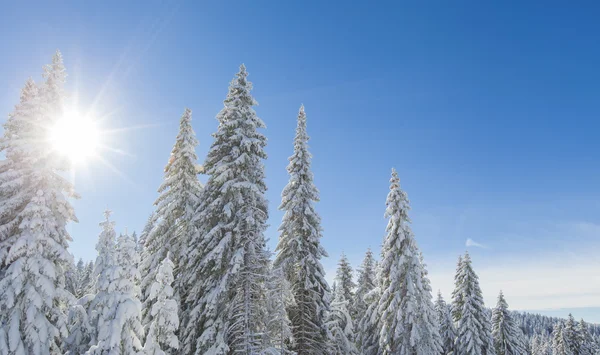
(540, 345)
(279, 326)
(79, 274)
(175, 206)
(100, 302)
(560, 342)
(161, 338)
(15, 170)
(81, 331)
(88, 282)
(472, 322)
(569, 333)
(457, 297)
(227, 263)
(368, 327)
(584, 342)
(340, 325)
(365, 284)
(431, 341)
(299, 250)
(119, 316)
(71, 278)
(35, 211)
(507, 336)
(344, 275)
(53, 92)
(147, 228)
(407, 321)
(446, 325)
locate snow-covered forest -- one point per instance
(199, 278)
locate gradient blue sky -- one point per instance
(489, 112)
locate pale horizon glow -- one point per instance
(75, 136)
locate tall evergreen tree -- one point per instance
(172, 229)
(161, 338)
(144, 235)
(71, 278)
(85, 315)
(279, 326)
(540, 345)
(368, 326)
(227, 260)
(119, 319)
(34, 211)
(407, 323)
(431, 340)
(584, 341)
(365, 284)
(80, 328)
(446, 325)
(17, 144)
(101, 302)
(79, 275)
(472, 322)
(569, 333)
(344, 279)
(507, 336)
(560, 342)
(87, 282)
(299, 250)
(340, 325)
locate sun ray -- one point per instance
(131, 128)
(116, 150)
(118, 172)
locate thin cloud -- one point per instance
(471, 243)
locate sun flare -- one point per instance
(75, 136)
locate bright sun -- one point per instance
(75, 136)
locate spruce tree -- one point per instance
(407, 322)
(446, 325)
(101, 302)
(34, 211)
(17, 144)
(79, 275)
(174, 210)
(540, 345)
(430, 339)
(560, 342)
(584, 342)
(118, 309)
(227, 262)
(80, 328)
(340, 325)
(299, 250)
(87, 282)
(71, 279)
(472, 322)
(84, 315)
(147, 229)
(507, 336)
(365, 284)
(161, 338)
(368, 326)
(279, 326)
(344, 278)
(569, 333)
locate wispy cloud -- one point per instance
(471, 243)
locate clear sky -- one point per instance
(490, 113)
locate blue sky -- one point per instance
(489, 112)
